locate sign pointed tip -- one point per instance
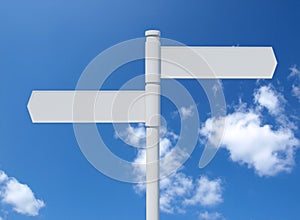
(275, 63)
(29, 107)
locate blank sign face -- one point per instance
(87, 106)
(217, 62)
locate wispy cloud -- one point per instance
(19, 196)
(210, 216)
(187, 112)
(294, 71)
(217, 87)
(208, 193)
(295, 74)
(3, 177)
(181, 191)
(178, 191)
(296, 91)
(253, 142)
(134, 136)
(173, 190)
(268, 98)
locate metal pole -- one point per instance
(152, 123)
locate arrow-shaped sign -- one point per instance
(217, 62)
(87, 106)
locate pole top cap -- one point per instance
(153, 33)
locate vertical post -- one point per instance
(152, 79)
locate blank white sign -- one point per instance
(217, 62)
(87, 106)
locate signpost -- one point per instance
(144, 106)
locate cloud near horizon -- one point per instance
(178, 191)
(268, 148)
(19, 196)
(295, 74)
(210, 216)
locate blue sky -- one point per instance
(46, 45)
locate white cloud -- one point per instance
(266, 97)
(172, 157)
(134, 136)
(19, 196)
(208, 193)
(296, 91)
(187, 112)
(252, 142)
(217, 87)
(3, 176)
(295, 72)
(210, 216)
(177, 191)
(180, 191)
(173, 190)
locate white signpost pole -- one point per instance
(152, 93)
